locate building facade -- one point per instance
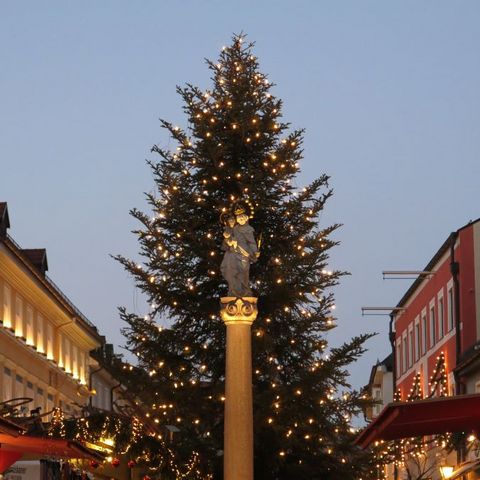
(46, 360)
(52, 356)
(437, 320)
(380, 387)
(435, 339)
(45, 342)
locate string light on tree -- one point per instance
(239, 148)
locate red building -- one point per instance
(438, 319)
(435, 336)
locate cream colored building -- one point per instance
(44, 340)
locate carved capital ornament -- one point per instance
(235, 310)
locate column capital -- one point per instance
(238, 310)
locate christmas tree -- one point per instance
(237, 149)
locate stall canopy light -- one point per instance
(446, 471)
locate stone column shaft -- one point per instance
(238, 315)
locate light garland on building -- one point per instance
(399, 452)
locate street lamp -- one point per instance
(446, 471)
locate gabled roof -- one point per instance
(38, 256)
(4, 219)
(387, 362)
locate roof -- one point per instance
(469, 360)
(28, 258)
(387, 362)
(10, 428)
(38, 256)
(433, 261)
(423, 417)
(35, 259)
(4, 220)
(47, 447)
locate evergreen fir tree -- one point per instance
(237, 148)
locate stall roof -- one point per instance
(10, 428)
(423, 417)
(38, 446)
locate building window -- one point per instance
(106, 399)
(30, 393)
(7, 306)
(61, 349)
(417, 341)
(441, 322)
(451, 311)
(424, 334)
(432, 326)
(377, 395)
(29, 325)
(19, 317)
(82, 366)
(49, 341)
(75, 361)
(399, 357)
(50, 403)
(404, 354)
(40, 333)
(67, 360)
(39, 398)
(7, 384)
(410, 347)
(19, 386)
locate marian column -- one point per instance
(238, 310)
(238, 315)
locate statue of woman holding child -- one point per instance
(240, 251)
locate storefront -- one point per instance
(399, 420)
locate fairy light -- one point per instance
(57, 424)
(246, 129)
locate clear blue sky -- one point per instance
(388, 93)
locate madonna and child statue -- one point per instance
(240, 249)
(238, 311)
